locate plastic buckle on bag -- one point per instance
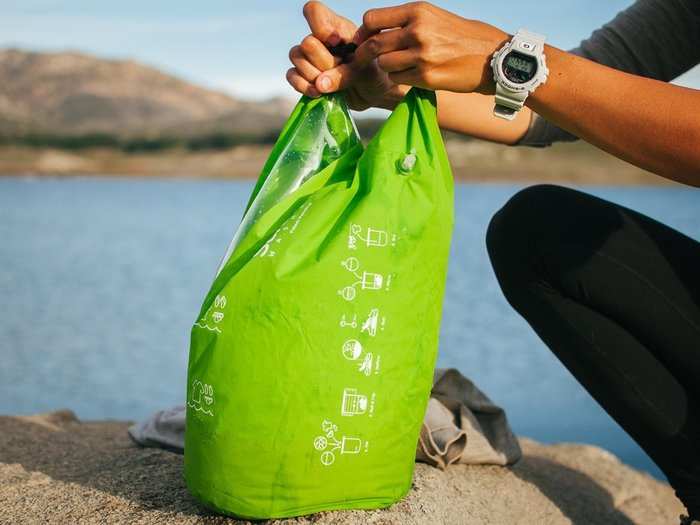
(408, 162)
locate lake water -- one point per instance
(100, 281)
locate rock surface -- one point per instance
(56, 469)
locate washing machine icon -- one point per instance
(353, 404)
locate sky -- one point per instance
(241, 47)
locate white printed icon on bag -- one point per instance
(371, 325)
(352, 351)
(366, 280)
(213, 316)
(344, 323)
(201, 397)
(373, 322)
(370, 237)
(366, 364)
(329, 444)
(355, 404)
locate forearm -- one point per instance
(472, 114)
(651, 124)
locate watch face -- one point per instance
(519, 68)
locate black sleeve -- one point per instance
(657, 39)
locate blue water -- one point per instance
(100, 281)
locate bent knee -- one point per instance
(525, 214)
(523, 232)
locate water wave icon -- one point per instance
(202, 394)
(199, 408)
(210, 328)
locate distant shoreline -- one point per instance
(472, 161)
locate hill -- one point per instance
(76, 93)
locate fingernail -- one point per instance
(324, 83)
(333, 40)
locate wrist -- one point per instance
(488, 82)
(556, 63)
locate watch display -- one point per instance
(519, 68)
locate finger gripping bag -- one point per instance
(311, 359)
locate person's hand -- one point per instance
(422, 45)
(317, 71)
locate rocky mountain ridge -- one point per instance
(76, 93)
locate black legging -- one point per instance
(616, 296)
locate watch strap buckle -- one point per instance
(508, 103)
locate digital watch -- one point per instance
(518, 68)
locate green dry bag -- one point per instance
(312, 357)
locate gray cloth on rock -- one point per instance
(657, 39)
(461, 425)
(164, 429)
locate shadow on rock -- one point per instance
(580, 498)
(98, 455)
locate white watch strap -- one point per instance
(536, 39)
(508, 103)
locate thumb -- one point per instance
(329, 27)
(334, 79)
